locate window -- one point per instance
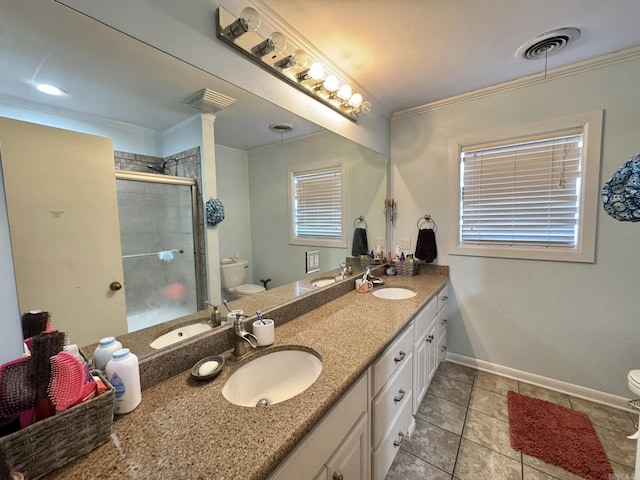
(530, 196)
(317, 207)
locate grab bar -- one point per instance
(151, 254)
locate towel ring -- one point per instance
(360, 219)
(427, 218)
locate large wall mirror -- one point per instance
(122, 89)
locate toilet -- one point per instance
(233, 275)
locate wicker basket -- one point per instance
(407, 269)
(56, 441)
(366, 260)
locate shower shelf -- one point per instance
(151, 254)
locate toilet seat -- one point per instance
(248, 289)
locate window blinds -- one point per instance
(318, 204)
(524, 194)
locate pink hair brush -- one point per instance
(68, 379)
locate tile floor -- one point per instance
(462, 432)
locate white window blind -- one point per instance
(522, 194)
(318, 204)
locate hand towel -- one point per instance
(360, 244)
(426, 248)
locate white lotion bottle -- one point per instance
(103, 352)
(123, 373)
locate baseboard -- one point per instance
(552, 384)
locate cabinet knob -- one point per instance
(444, 298)
(337, 476)
(400, 396)
(443, 348)
(444, 321)
(400, 357)
(115, 286)
(400, 439)
(430, 339)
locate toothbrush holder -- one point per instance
(264, 332)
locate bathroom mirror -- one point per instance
(132, 93)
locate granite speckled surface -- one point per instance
(186, 429)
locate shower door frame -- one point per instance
(184, 181)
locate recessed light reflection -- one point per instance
(49, 89)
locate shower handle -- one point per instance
(115, 286)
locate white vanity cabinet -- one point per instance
(338, 447)
(391, 401)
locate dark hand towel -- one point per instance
(360, 245)
(426, 248)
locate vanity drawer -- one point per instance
(424, 318)
(443, 297)
(391, 400)
(395, 356)
(385, 453)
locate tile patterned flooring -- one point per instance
(462, 432)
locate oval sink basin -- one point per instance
(394, 293)
(180, 334)
(272, 378)
(323, 281)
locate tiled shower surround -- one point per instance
(184, 164)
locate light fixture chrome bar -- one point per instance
(294, 81)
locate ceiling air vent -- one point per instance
(208, 101)
(548, 43)
(281, 128)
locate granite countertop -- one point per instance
(185, 428)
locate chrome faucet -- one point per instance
(345, 270)
(242, 336)
(214, 318)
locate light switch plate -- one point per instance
(405, 244)
(313, 261)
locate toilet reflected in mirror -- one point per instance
(233, 274)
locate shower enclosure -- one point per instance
(158, 230)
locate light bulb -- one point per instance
(297, 59)
(331, 83)
(316, 71)
(248, 21)
(275, 43)
(355, 100)
(344, 92)
(365, 107)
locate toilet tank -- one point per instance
(233, 273)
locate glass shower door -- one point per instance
(158, 247)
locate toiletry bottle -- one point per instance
(102, 354)
(123, 373)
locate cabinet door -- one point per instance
(323, 474)
(419, 372)
(432, 360)
(351, 459)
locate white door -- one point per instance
(63, 220)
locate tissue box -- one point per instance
(52, 443)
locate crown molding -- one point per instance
(561, 72)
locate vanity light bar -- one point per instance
(288, 63)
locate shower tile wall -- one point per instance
(184, 164)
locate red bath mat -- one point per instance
(557, 435)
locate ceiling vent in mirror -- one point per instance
(208, 101)
(548, 43)
(281, 127)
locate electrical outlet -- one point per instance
(313, 261)
(405, 244)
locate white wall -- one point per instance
(273, 257)
(232, 171)
(577, 323)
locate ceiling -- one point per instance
(108, 75)
(402, 53)
(407, 53)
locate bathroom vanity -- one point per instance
(369, 348)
